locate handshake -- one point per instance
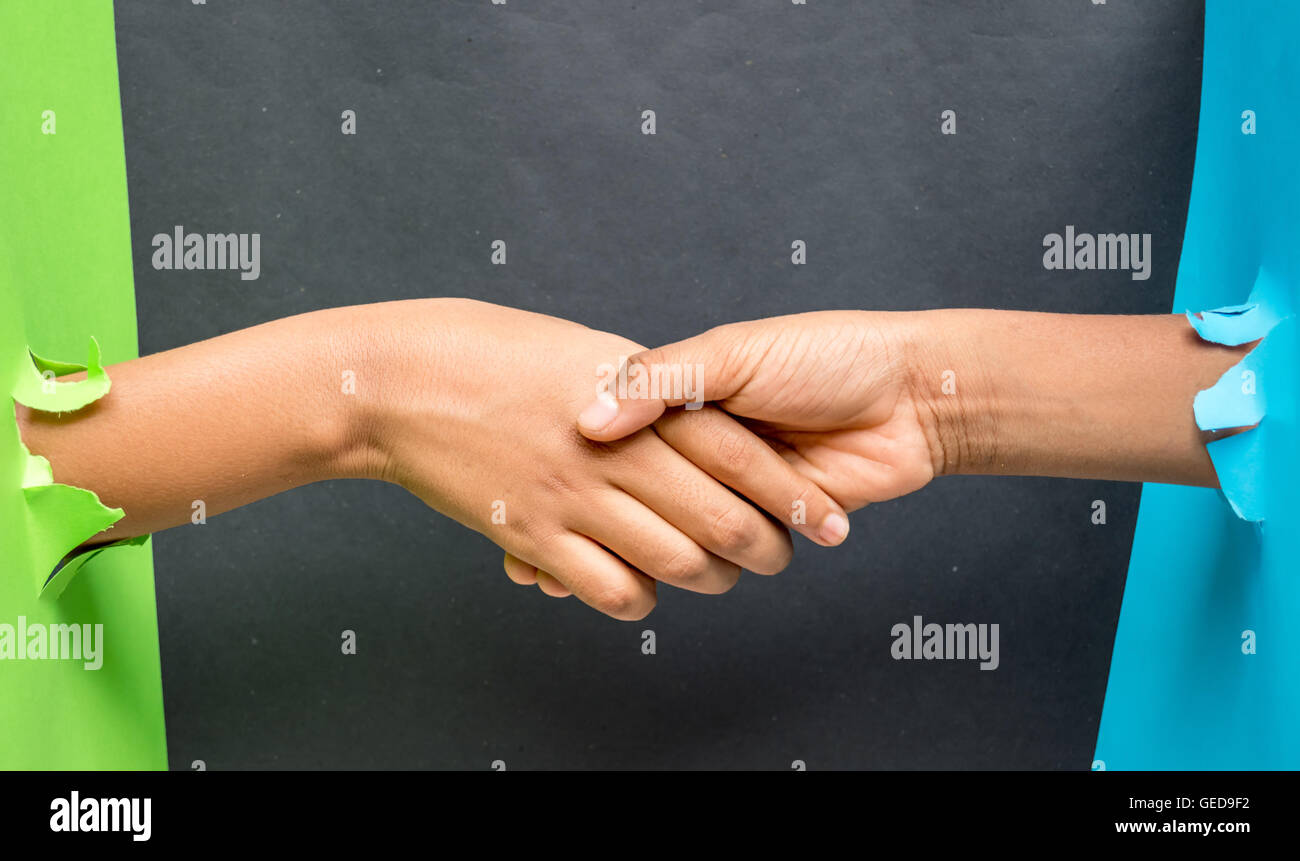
(589, 460)
(603, 468)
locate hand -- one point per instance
(470, 407)
(872, 405)
(834, 392)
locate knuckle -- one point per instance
(734, 451)
(685, 565)
(733, 529)
(535, 528)
(557, 483)
(647, 359)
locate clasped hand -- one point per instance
(809, 416)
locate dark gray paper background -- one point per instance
(521, 122)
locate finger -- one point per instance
(597, 577)
(731, 453)
(526, 574)
(657, 548)
(682, 494)
(520, 571)
(692, 371)
(551, 586)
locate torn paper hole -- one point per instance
(60, 517)
(1240, 397)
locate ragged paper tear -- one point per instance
(60, 517)
(36, 386)
(1240, 397)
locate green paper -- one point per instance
(60, 579)
(59, 516)
(66, 290)
(39, 390)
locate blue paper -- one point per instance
(1204, 669)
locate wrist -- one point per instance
(951, 388)
(1068, 395)
(406, 361)
(357, 364)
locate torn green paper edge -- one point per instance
(65, 274)
(59, 517)
(40, 390)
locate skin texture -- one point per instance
(470, 406)
(857, 401)
(467, 405)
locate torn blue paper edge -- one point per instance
(1239, 399)
(1204, 672)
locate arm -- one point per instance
(873, 405)
(463, 403)
(227, 421)
(1069, 395)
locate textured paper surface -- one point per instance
(1209, 581)
(776, 122)
(65, 277)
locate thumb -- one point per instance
(689, 373)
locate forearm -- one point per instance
(225, 421)
(1078, 396)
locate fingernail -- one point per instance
(600, 413)
(834, 529)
